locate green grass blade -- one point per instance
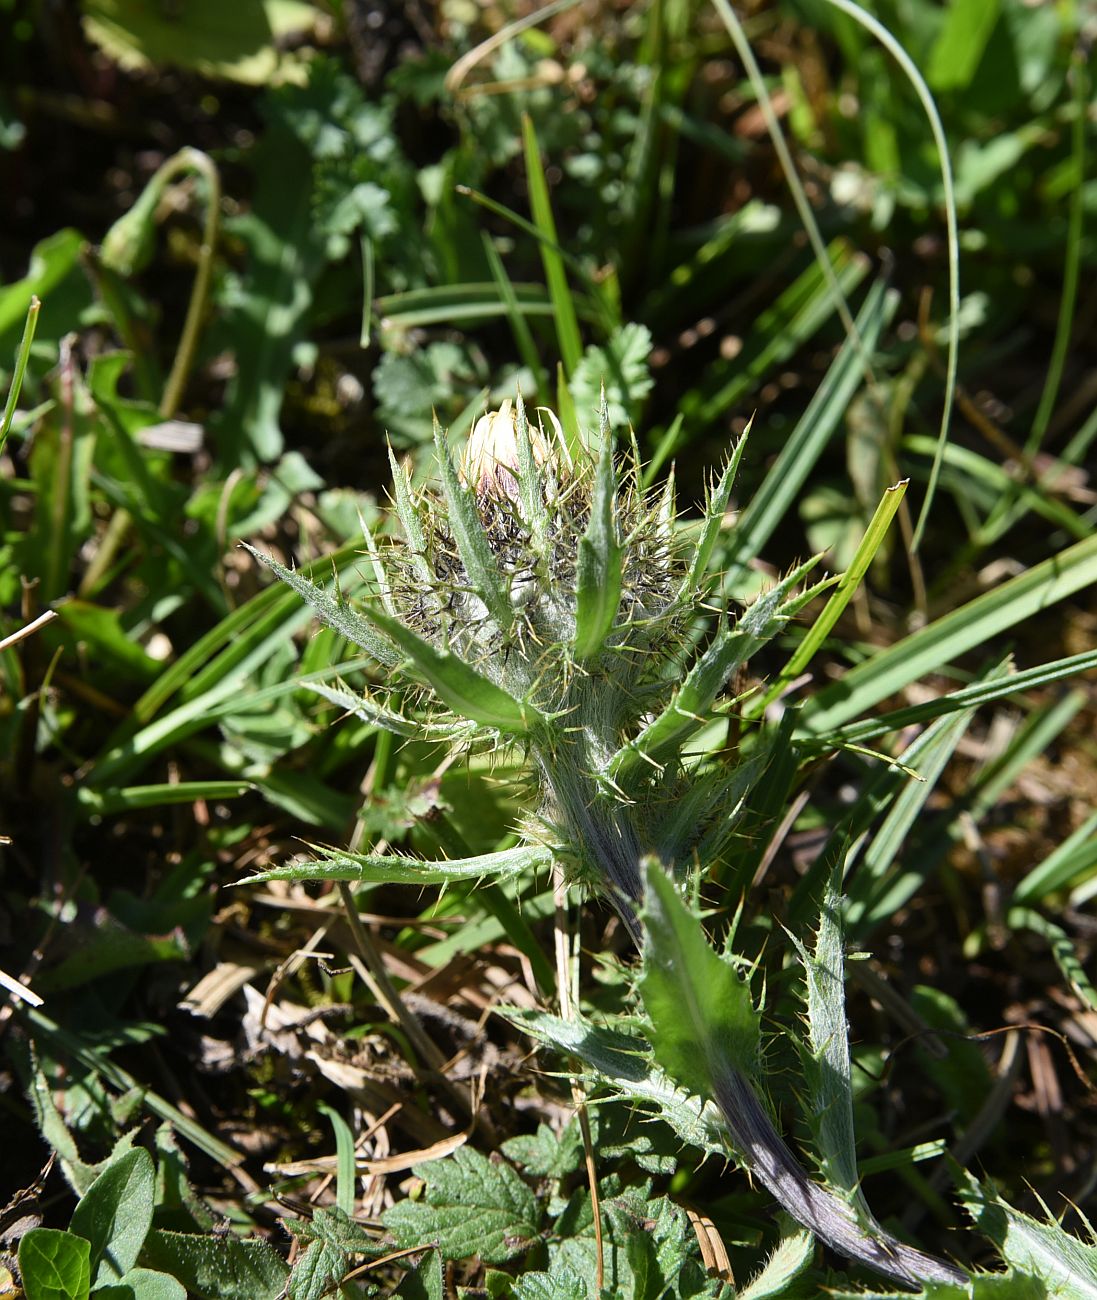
(910, 71)
(523, 336)
(983, 692)
(842, 595)
(567, 324)
(771, 503)
(346, 1174)
(957, 633)
(131, 797)
(22, 356)
(1076, 854)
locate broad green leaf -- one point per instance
(55, 1265)
(703, 1016)
(598, 569)
(115, 1213)
(241, 42)
(317, 1271)
(619, 370)
(264, 311)
(470, 1206)
(706, 1033)
(457, 685)
(217, 1267)
(942, 642)
(383, 868)
(424, 1281)
(960, 43)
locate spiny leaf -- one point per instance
(368, 710)
(701, 1011)
(714, 516)
(530, 483)
(410, 521)
(332, 611)
(396, 869)
(458, 685)
(598, 575)
(827, 1064)
(706, 678)
(472, 545)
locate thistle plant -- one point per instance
(544, 599)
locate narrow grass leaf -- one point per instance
(941, 642)
(519, 326)
(940, 141)
(395, 869)
(22, 356)
(127, 798)
(1062, 949)
(598, 568)
(876, 892)
(1075, 856)
(967, 697)
(770, 505)
(567, 325)
(345, 1168)
(843, 594)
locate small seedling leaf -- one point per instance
(115, 1214)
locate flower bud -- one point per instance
(490, 462)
